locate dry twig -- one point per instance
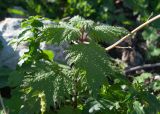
(132, 32)
(143, 67)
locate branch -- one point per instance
(146, 66)
(132, 32)
(120, 47)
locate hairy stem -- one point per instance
(75, 100)
(132, 32)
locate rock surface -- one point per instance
(9, 55)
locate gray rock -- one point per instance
(9, 55)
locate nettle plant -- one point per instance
(88, 82)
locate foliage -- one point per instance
(130, 14)
(150, 82)
(89, 30)
(99, 10)
(152, 38)
(88, 83)
(96, 93)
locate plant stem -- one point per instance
(75, 91)
(75, 100)
(132, 32)
(2, 104)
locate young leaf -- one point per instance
(60, 33)
(105, 33)
(80, 22)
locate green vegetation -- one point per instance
(88, 83)
(130, 14)
(91, 81)
(99, 10)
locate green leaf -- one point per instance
(22, 37)
(53, 34)
(150, 34)
(32, 21)
(92, 59)
(155, 85)
(81, 23)
(152, 104)
(16, 11)
(49, 79)
(105, 33)
(100, 106)
(36, 23)
(95, 106)
(15, 78)
(60, 33)
(138, 108)
(23, 33)
(155, 52)
(49, 53)
(142, 78)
